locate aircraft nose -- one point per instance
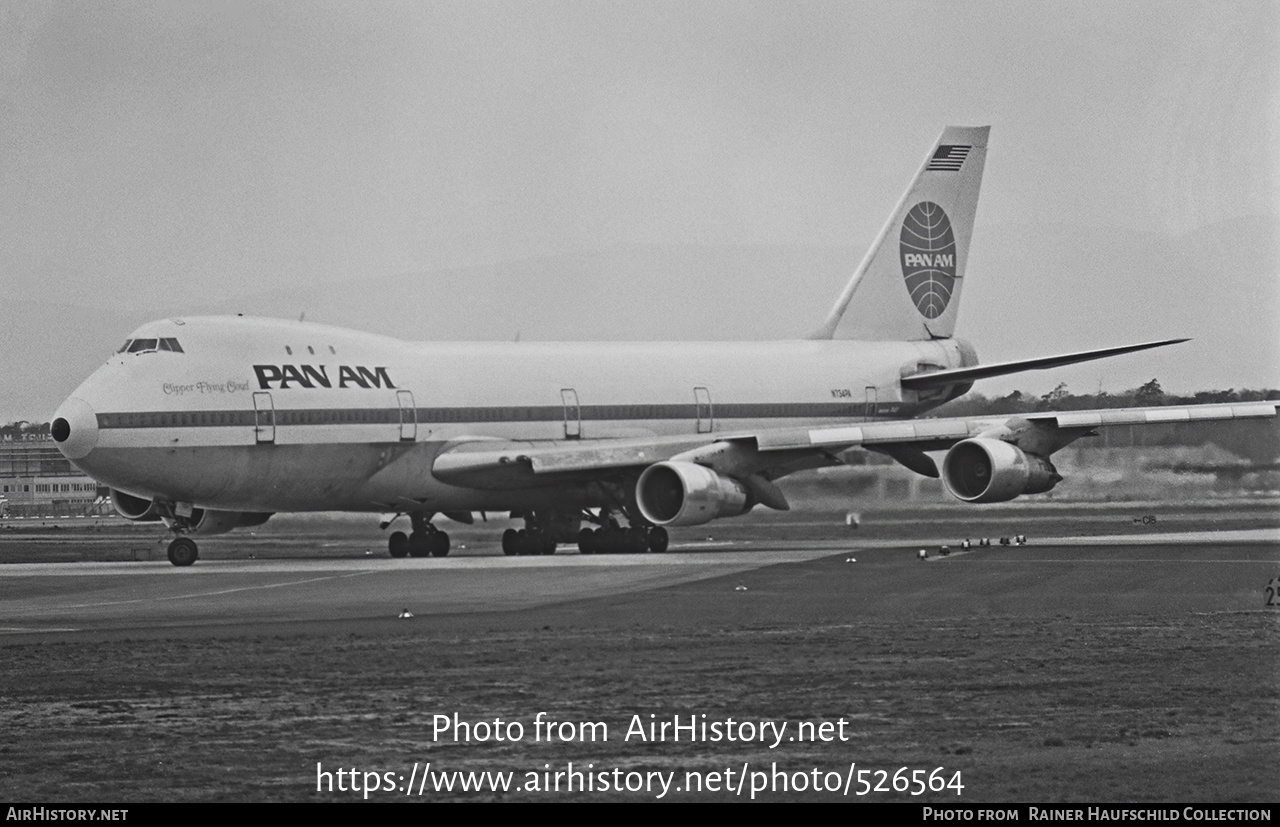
(75, 428)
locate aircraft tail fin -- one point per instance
(908, 284)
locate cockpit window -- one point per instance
(150, 346)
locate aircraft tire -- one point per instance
(438, 544)
(658, 539)
(398, 544)
(587, 541)
(510, 542)
(419, 544)
(635, 541)
(183, 551)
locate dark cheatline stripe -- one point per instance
(476, 414)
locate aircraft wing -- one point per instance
(500, 464)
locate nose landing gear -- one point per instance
(183, 551)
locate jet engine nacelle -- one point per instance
(992, 471)
(202, 520)
(208, 521)
(685, 493)
(134, 508)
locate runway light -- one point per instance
(739, 588)
(405, 614)
(851, 559)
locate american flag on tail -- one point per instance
(949, 158)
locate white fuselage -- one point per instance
(267, 415)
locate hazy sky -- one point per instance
(198, 151)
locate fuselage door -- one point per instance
(408, 416)
(872, 402)
(702, 401)
(264, 418)
(572, 414)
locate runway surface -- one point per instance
(102, 596)
(1227, 568)
(1124, 662)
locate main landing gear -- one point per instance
(425, 540)
(542, 531)
(611, 538)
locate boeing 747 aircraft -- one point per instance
(209, 424)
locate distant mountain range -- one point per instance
(1036, 289)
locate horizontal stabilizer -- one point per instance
(940, 378)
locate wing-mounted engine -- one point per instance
(680, 493)
(201, 521)
(208, 521)
(984, 470)
(137, 509)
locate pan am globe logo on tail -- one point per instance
(928, 248)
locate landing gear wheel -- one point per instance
(183, 551)
(609, 540)
(438, 544)
(658, 539)
(587, 541)
(635, 541)
(510, 542)
(398, 544)
(419, 544)
(547, 544)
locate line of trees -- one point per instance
(1256, 440)
(1061, 399)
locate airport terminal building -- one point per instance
(36, 481)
